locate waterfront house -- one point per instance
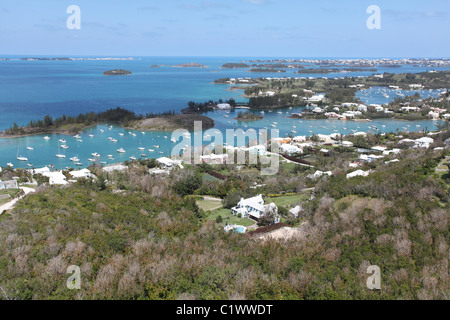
(224, 106)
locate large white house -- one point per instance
(254, 208)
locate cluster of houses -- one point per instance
(58, 178)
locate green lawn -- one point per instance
(207, 177)
(229, 218)
(209, 205)
(288, 201)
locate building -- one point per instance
(167, 163)
(357, 173)
(214, 158)
(318, 174)
(423, 142)
(56, 178)
(254, 208)
(115, 167)
(83, 173)
(10, 184)
(224, 106)
(290, 149)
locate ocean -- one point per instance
(29, 90)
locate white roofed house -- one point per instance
(290, 149)
(254, 208)
(224, 106)
(168, 163)
(214, 158)
(423, 142)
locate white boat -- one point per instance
(47, 138)
(95, 154)
(121, 134)
(9, 164)
(101, 130)
(91, 136)
(132, 158)
(62, 140)
(64, 146)
(110, 156)
(92, 160)
(78, 164)
(74, 159)
(20, 158)
(151, 150)
(140, 146)
(114, 140)
(29, 165)
(121, 150)
(156, 146)
(173, 140)
(59, 155)
(77, 136)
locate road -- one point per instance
(10, 205)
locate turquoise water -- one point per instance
(29, 90)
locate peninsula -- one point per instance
(128, 119)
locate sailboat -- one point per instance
(47, 138)
(140, 144)
(29, 148)
(121, 150)
(59, 155)
(20, 158)
(74, 159)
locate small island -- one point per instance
(117, 72)
(191, 65)
(247, 116)
(235, 65)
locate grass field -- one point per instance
(288, 201)
(229, 218)
(209, 205)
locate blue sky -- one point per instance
(285, 28)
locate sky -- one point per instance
(243, 28)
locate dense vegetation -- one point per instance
(118, 116)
